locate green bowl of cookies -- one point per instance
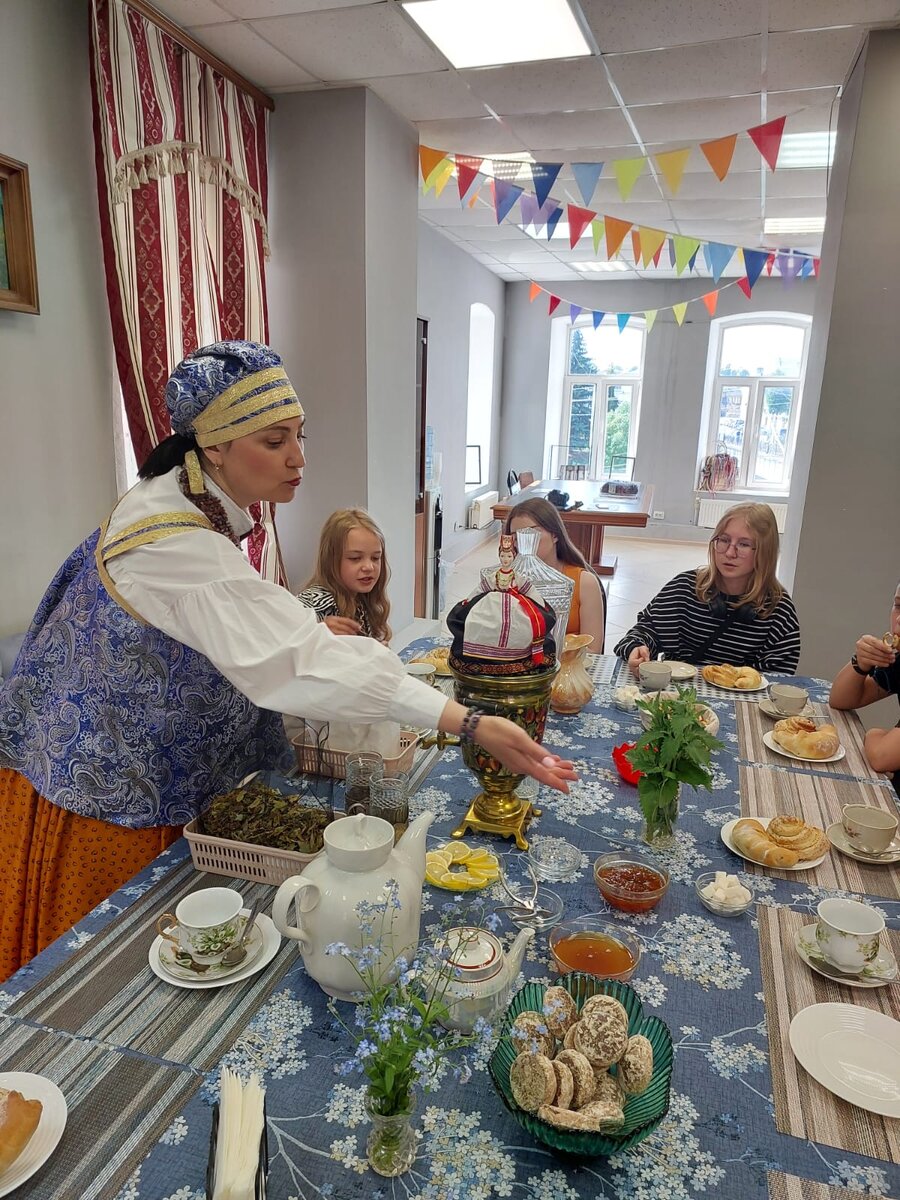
(582, 1067)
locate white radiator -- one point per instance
(710, 512)
(479, 514)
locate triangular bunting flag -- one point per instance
(651, 241)
(505, 196)
(816, 262)
(597, 234)
(544, 176)
(788, 266)
(527, 208)
(622, 320)
(693, 259)
(442, 176)
(679, 310)
(574, 310)
(650, 317)
(711, 300)
(805, 268)
(466, 173)
(542, 213)
(754, 261)
(553, 305)
(636, 245)
(579, 219)
(767, 139)
(671, 253)
(586, 176)
(428, 160)
(627, 171)
(534, 291)
(597, 318)
(672, 164)
(656, 257)
(615, 234)
(553, 221)
(744, 285)
(770, 263)
(685, 249)
(719, 153)
(718, 257)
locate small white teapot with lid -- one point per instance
(481, 975)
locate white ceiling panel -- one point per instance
(796, 206)
(248, 9)
(552, 274)
(806, 60)
(570, 129)
(819, 14)
(461, 218)
(352, 43)
(716, 210)
(481, 136)
(729, 68)
(654, 23)
(188, 13)
(695, 120)
(542, 86)
(508, 231)
(434, 95)
(248, 53)
(812, 183)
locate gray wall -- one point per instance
(57, 467)
(848, 563)
(450, 282)
(674, 375)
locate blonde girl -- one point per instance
(348, 590)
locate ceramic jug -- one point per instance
(359, 864)
(573, 687)
(481, 976)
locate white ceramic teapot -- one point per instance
(359, 862)
(481, 974)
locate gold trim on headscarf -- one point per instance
(232, 416)
(196, 484)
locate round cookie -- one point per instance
(635, 1069)
(603, 1003)
(601, 1037)
(582, 1075)
(608, 1116)
(565, 1118)
(532, 1080)
(565, 1085)
(530, 1034)
(607, 1087)
(560, 1011)
(569, 1039)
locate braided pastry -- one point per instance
(801, 736)
(794, 834)
(725, 675)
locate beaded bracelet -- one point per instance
(470, 724)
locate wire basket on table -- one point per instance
(315, 759)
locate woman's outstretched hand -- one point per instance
(519, 754)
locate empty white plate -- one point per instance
(50, 1128)
(852, 1051)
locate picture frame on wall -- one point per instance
(18, 268)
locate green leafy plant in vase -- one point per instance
(674, 749)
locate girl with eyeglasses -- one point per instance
(733, 610)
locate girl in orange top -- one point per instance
(555, 548)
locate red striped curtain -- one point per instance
(182, 181)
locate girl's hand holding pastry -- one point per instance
(873, 652)
(342, 626)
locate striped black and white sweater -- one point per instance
(676, 623)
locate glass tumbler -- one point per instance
(389, 799)
(362, 770)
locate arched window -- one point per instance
(479, 416)
(754, 385)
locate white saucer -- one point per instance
(725, 834)
(50, 1128)
(763, 686)
(681, 671)
(170, 963)
(769, 741)
(766, 706)
(271, 940)
(879, 974)
(840, 841)
(852, 1051)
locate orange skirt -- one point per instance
(57, 866)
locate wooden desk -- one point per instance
(585, 525)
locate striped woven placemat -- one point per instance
(118, 1106)
(818, 799)
(803, 1108)
(752, 724)
(792, 1187)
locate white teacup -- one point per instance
(848, 933)
(788, 699)
(868, 828)
(205, 924)
(422, 670)
(654, 676)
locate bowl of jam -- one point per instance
(630, 882)
(591, 945)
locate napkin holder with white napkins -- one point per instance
(238, 1147)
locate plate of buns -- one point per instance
(32, 1119)
(439, 658)
(802, 738)
(735, 679)
(785, 842)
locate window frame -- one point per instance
(601, 382)
(757, 384)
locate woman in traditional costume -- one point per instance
(157, 667)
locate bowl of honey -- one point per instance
(629, 881)
(594, 947)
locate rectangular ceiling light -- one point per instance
(488, 33)
(809, 150)
(794, 224)
(600, 266)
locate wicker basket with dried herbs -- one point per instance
(263, 815)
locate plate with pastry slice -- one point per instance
(439, 658)
(32, 1119)
(749, 837)
(734, 679)
(801, 738)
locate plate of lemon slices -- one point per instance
(459, 867)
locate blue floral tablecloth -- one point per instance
(698, 972)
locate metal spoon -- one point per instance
(238, 952)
